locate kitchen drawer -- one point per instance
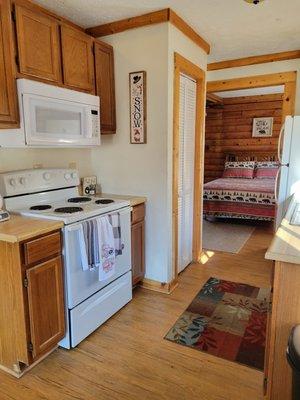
(42, 248)
(138, 213)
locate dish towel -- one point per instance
(115, 221)
(106, 242)
(89, 245)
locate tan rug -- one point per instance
(225, 236)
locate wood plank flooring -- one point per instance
(127, 358)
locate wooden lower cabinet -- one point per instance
(138, 243)
(46, 305)
(285, 314)
(32, 316)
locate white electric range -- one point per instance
(54, 194)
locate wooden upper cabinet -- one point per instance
(105, 86)
(46, 305)
(38, 44)
(77, 59)
(8, 96)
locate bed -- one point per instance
(236, 197)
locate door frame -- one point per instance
(288, 79)
(184, 66)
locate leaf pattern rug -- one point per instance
(228, 320)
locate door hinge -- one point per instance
(30, 347)
(25, 282)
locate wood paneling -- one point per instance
(229, 129)
(38, 44)
(133, 360)
(266, 58)
(105, 86)
(46, 305)
(184, 66)
(8, 95)
(286, 314)
(77, 58)
(155, 17)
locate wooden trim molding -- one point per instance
(182, 65)
(265, 58)
(161, 287)
(288, 79)
(156, 17)
(213, 98)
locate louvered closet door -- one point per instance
(187, 122)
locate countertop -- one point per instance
(19, 228)
(285, 245)
(134, 200)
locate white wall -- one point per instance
(147, 169)
(141, 169)
(13, 159)
(260, 69)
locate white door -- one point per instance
(187, 123)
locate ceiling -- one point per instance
(252, 92)
(234, 28)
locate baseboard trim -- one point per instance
(157, 286)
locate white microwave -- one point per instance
(51, 116)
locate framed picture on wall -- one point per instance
(138, 107)
(262, 127)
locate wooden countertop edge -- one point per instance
(17, 236)
(134, 200)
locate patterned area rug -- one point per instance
(228, 320)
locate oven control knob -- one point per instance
(23, 180)
(74, 175)
(67, 176)
(12, 182)
(46, 176)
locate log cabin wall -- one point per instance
(229, 129)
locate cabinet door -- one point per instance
(78, 60)
(38, 44)
(137, 251)
(105, 86)
(8, 95)
(46, 305)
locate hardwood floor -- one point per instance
(127, 358)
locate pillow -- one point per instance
(266, 169)
(239, 169)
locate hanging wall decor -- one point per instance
(262, 127)
(138, 108)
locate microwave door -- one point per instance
(53, 122)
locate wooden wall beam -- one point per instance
(248, 82)
(213, 98)
(156, 17)
(266, 58)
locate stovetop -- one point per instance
(73, 209)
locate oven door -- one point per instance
(55, 122)
(82, 284)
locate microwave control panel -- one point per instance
(95, 116)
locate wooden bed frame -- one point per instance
(251, 156)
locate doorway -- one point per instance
(188, 157)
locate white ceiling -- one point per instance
(234, 28)
(252, 92)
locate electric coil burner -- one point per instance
(81, 199)
(68, 210)
(41, 207)
(104, 201)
